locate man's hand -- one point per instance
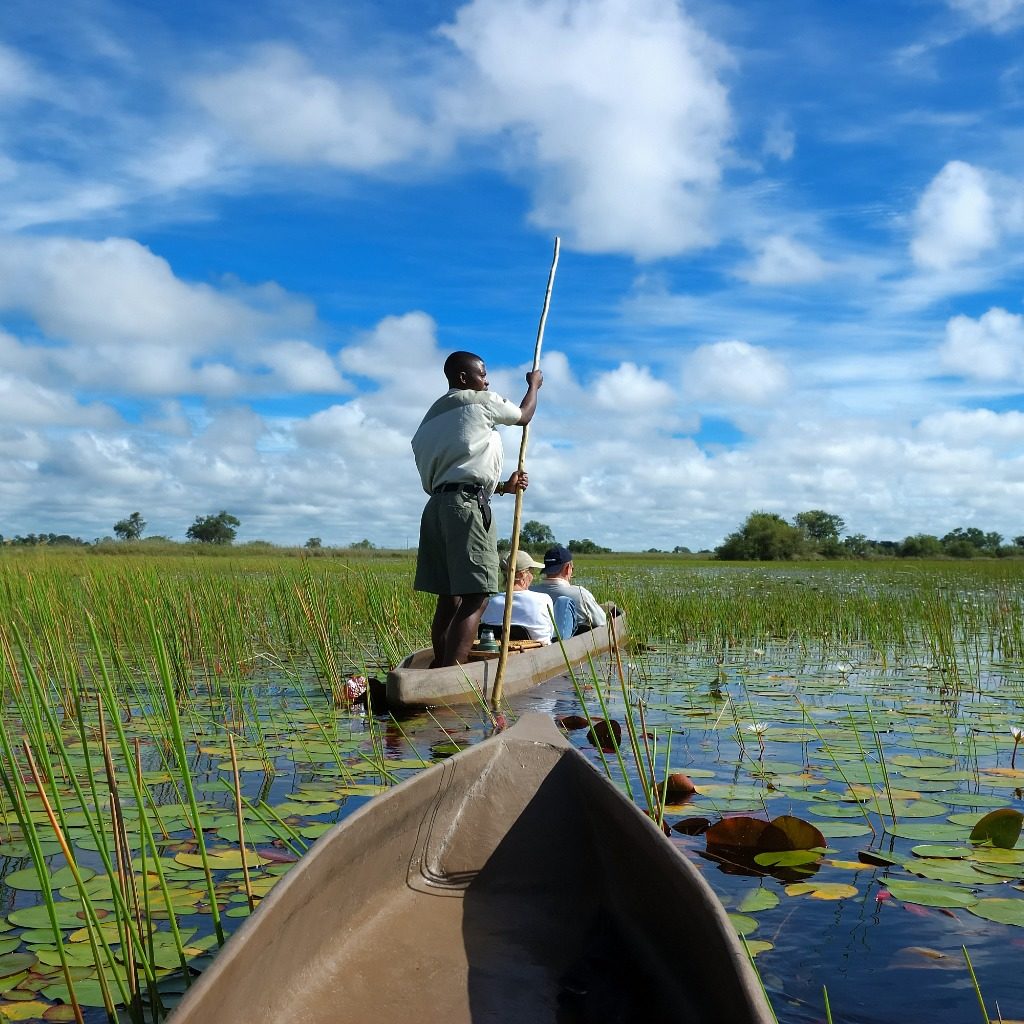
(534, 378)
(516, 482)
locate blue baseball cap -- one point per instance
(556, 557)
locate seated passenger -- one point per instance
(531, 611)
(557, 582)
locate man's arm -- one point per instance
(528, 406)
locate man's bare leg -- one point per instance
(462, 628)
(447, 606)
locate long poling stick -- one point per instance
(499, 676)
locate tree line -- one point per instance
(766, 536)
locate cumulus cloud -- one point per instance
(24, 402)
(733, 373)
(955, 220)
(971, 426)
(989, 348)
(120, 320)
(300, 366)
(780, 260)
(617, 104)
(281, 108)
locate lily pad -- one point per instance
(926, 894)
(1001, 828)
(1000, 909)
(28, 878)
(758, 899)
(822, 890)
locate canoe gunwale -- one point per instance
(410, 687)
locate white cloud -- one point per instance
(780, 260)
(989, 348)
(733, 373)
(24, 402)
(999, 15)
(618, 106)
(303, 367)
(971, 426)
(278, 106)
(632, 389)
(955, 219)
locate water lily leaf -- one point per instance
(787, 858)
(842, 829)
(934, 850)
(802, 835)
(15, 963)
(927, 895)
(912, 808)
(1001, 828)
(937, 830)
(959, 871)
(28, 878)
(994, 855)
(220, 859)
(743, 924)
(29, 1009)
(755, 946)
(918, 761)
(822, 890)
(758, 899)
(745, 833)
(1000, 909)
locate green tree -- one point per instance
(764, 537)
(314, 544)
(588, 547)
(363, 545)
(921, 545)
(536, 535)
(219, 529)
(820, 526)
(130, 528)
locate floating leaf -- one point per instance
(1001, 828)
(745, 833)
(928, 895)
(758, 899)
(1000, 909)
(743, 924)
(933, 850)
(28, 878)
(15, 963)
(822, 890)
(605, 734)
(755, 946)
(802, 835)
(787, 858)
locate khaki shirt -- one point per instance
(458, 443)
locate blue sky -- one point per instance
(237, 241)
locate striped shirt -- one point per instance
(458, 443)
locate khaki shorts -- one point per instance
(456, 554)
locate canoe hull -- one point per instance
(493, 887)
(412, 685)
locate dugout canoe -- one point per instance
(412, 685)
(512, 883)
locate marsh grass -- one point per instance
(134, 681)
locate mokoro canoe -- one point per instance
(512, 883)
(412, 685)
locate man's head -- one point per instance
(523, 568)
(465, 371)
(558, 561)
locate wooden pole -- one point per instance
(499, 676)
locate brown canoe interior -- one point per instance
(510, 884)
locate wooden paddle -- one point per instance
(499, 676)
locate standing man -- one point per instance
(459, 454)
(557, 582)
